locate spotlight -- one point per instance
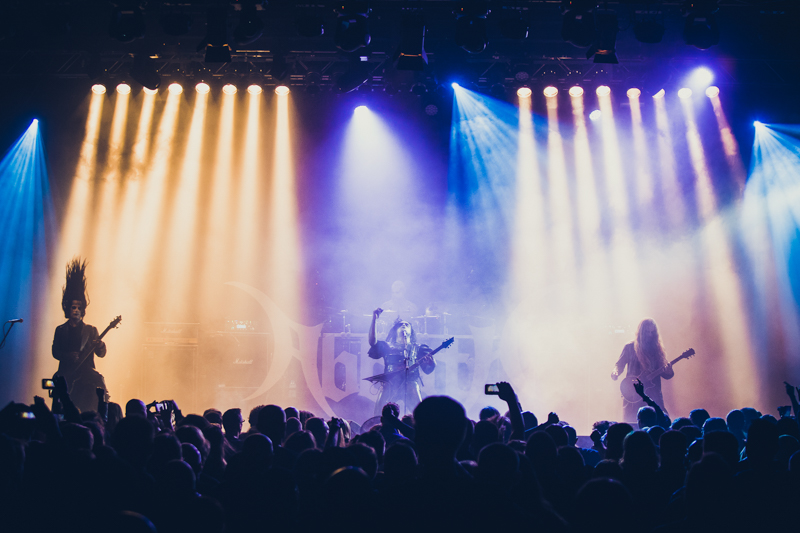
(595, 115)
(250, 27)
(701, 29)
(471, 25)
(603, 90)
(550, 91)
(685, 93)
(604, 47)
(411, 53)
(99, 88)
(175, 88)
(216, 40)
(757, 123)
(701, 77)
(360, 110)
(454, 85)
(127, 21)
(255, 89)
(577, 25)
(431, 109)
(150, 91)
(576, 91)
(352, 26)
(712, 92)
(524, 92)
(144, 71)
(201, 88)
(124, 88)
(229, 88)
(634, 93)
(281, 90)
(660, 94)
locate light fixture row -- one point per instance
(604, 90)
(201, 88)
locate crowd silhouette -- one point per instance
(152, 468)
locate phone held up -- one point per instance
(491, 388)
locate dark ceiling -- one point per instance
(71, 39)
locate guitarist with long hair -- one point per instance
(75, 343)
(644, 357)
(400, 351)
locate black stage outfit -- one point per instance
(630, 410)
(405, 386)
(82, 380)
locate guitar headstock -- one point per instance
(446, 344)
(116, 321)
(688, 354)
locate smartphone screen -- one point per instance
(48, 384)
(491, 388)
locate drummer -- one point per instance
(399, 305)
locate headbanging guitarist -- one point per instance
(400, 351)
(644, 356)
(74, 337)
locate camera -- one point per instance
(491, 388)
(27, 415)
(48, 384)
(159, 406)
(785, 410)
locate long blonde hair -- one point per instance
(648, 346)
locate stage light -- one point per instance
(124, 88)
(660, 94)
(216, 39)
(255, 89)
(595, 115)
(550, 91)
(757, 123)
(685, 93)
(701, 29)
(361, 109)
(431, 110)
(524, 92)
(471, 26)
(127, 21)
(411, 53)
(605, 41)
(281, 90)
(144, 71)
(352, 25)
(634, 93)
(229, 88)
(701, 77)
(603, 90)
(250, 27)
(454, 85)
(201, 88)
(99, 88)
(576, 91)
(150, 91)
(175, 88)
(577, 26)
(712, 92)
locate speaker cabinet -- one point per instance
(169, 372)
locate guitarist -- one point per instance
(644, 356)
(75, 336)
(400, 351)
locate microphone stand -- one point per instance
(5, 334)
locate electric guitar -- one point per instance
(388, 376)
(626, 385)
(70, 371)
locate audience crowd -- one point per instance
(153, 469)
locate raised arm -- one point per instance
(508, 395)
(663, 421)
(372, 337)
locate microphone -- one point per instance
(13, 320)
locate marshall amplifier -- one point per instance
(171, 333)
(238, 360)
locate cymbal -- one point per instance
(424, 316)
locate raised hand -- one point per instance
(552, 418)
(377, 313)
(790, 391)
(506, 392)
(638, 386)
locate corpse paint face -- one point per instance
(403, 332)
(76, 310)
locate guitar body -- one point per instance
(71, 367)
(388, 376)
(648, 380)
